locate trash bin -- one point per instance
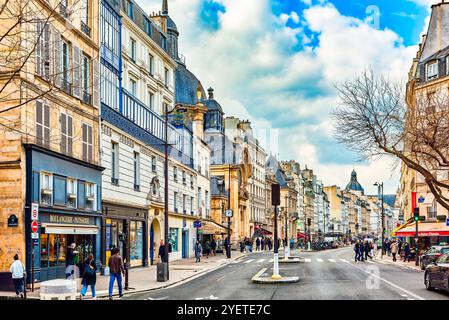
(59, 289)
(162, 272)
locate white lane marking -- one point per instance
(271, 260)
(332, 260)
(149, 298)
(249, 260)
(388, 282)
(343, 260)
(221, 278)
(261, 260)
(237, 261)
(308, 260)
(319, 260)
(403, 295)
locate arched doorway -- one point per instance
(155, 239)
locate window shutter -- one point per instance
(39, 122)
(89, 145)
(46, 36)
(96, 84)
(98, 198)
(77, 84)
(36, 187)
(38, 42)
(47, 125)
(69, 135)
(81, 195)
(63, 121)
(57, 43)
(84, 142)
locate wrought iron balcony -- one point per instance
(85, 28)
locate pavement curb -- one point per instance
(267, 280)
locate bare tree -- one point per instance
(377, 116)
(31, 57)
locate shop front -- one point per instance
(125, 228)
(429, 233)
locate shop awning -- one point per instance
(301, 235)
(402, 226)
(69, 229)
(425, 229)
(264, 232)
(210, 227)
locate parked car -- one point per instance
(436, 275)
(431, 255)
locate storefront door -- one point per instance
(185, 244)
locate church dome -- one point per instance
(353, 184)
(186, 86)
(171, 25)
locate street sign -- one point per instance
(447, 222)
(34, 226)
(197, 224)
(34, 211)
(35, 235)
(229, 213)
(421, 199)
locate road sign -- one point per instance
(34, 211)
(421, 199)
(229, 213)
(197, 224)
(35, 235)
(447, 222)
(34, 226)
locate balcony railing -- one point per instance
(144, 117)
(85, 28)
(87, 97)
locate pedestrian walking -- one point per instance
(263, 244)
(367, 250)
(257, 244)
(248, 245)
(394, 249)
(207, 249)
(407, 252)
(72, 261)
(357, 251)
(89, 277)
(269, 244)
(227, 247)
(197, 250)
(242, 245)
(17, 272)
(116, 269)
(400, 245)
(292, 243)
(362, 251)
(213, 246)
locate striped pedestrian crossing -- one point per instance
(322, 260)
(249, 261)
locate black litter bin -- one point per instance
(162, 272)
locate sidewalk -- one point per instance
(389, 260)
(145, 278)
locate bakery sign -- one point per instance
(56, 218)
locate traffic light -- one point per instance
(275, 194)
(416, 214)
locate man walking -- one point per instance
(17, 270)
(116, 269)
(213, 246)
(257, 244)
(357, 251)
(394, 249)
(197, 250)
(407, 252)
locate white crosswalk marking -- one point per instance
(237, 261)
(319, 260)
(249, 260)
(343, 260)
(261, 260)
(332, 260)
(308, 260)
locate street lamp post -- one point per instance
(381, 187)
(228, 249)
(287, 246)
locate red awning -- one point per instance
(301, 235)
(265, 232)
(425, 229)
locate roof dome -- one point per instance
(171, 25)
(186, 86)
(211, 103)
(353, 184)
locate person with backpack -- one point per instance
(89, 277)
(17, 270)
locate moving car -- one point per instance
(436, 275)
(431, 255)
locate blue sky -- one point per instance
(277, 62)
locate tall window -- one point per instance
(66, 83)
(46, 194)
(71, 193)
(66, 134)
(87, 143)
(91, 195)
(175, 201)
(153, 163)
(175, 174)
(85, 17)
(43, 49)
(114, 163)
(199, 197)
(130, 9)
(192, 203)
(136, 171)
(86, 79)
(151, 63)
(184, 203)
(432, 70)
(133, 87)
(151, 100)
(166, 75)
(42, 124)
(184, 178)
(132, 49)
(207, 203)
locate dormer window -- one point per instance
(432, 70)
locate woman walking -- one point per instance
(89, 277)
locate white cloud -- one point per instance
(258, 75)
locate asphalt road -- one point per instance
(330, 274)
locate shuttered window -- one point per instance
(43, 49)
(42, 124)
(66, 134)
(87, 143)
